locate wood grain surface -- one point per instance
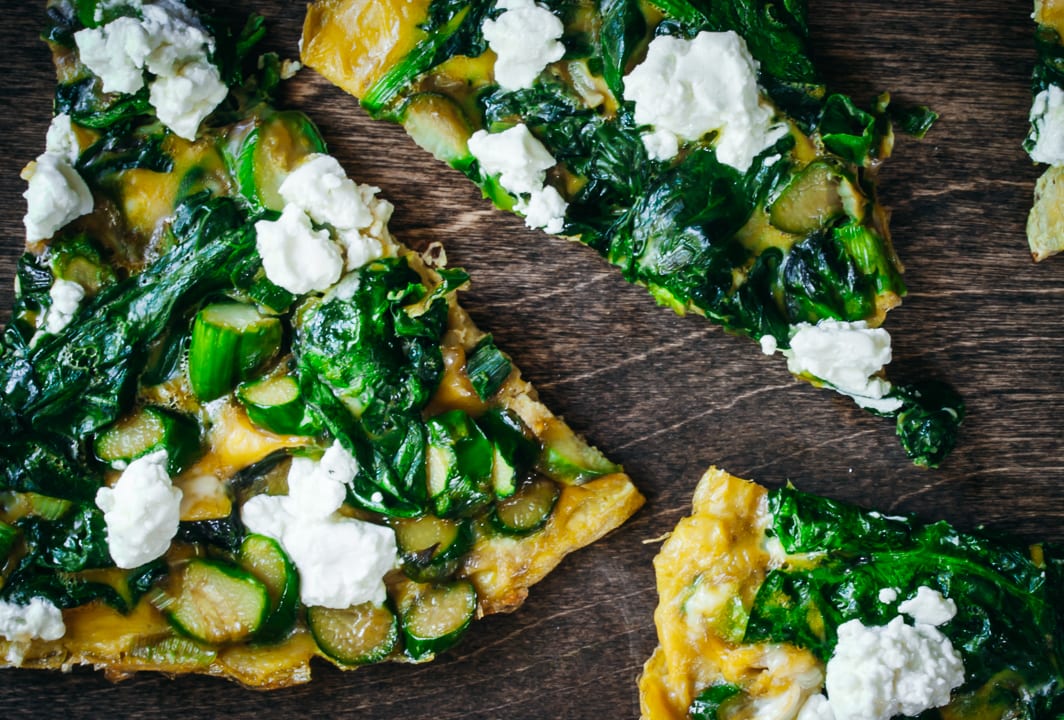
(666, 395)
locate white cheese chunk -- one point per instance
(169, 43)
(1047, 126)
(887, 595)
(66, 295)
(847, 356)
(56, 195)
(816, 707)
(521, 161)
(929, 607)
(769, 345)
(61, 139)
(295, 256)
(544, 209)
(321, 188)
(524, 39)
(689, 88)
(879, 672)
(142, 511)
(116, 53)
(184, 98)
(341, 561)
(37, 619)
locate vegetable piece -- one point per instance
(77, 259)
(711, 701)
(458, 465)
(177, 653)
(810, 201)
(215, 603)
(263, 557)
(438, 125)
(430, 547)
(44, 506)
(358, 635)
(8, 536)
(145, 431)
(230, 342)
(437, 617)
(527, 510)
(487, 368)
(270, 152)
(568, 459)
(276, 404)
(515, 451)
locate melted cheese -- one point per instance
(708, 573)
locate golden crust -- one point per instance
(1045, 224)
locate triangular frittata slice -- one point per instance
(242, 425)
(691, 143)
(777, 603)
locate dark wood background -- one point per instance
(665, 395)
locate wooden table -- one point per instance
(668, 396)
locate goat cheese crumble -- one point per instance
(295, 256)
(525, 40)
(56, 195)
(1047, 126)
(341, 561)
(879, 672)
(521, 161)
(19, 624)
(929, 607)
(686, 89)
(166, 42)
(141, 511)
(66, 296)
(847, 356)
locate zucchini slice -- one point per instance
(270, 152)
(431, 548)
(528, 509)
(436, 618)
(458, 465)
(810, 201)
(515, 452)
(437, 124)
(357, 635)
(568, 459)
(487, 368)
(215, 602)
(230, 342)
(147, 430)
(276, 404)
(179, 654)
(263, 557)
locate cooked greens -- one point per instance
(795, 238)
(1008, 621)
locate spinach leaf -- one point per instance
(75, 541)
(125, 146)
(86, 103)
(1005, 597)
(623, 30)
(708, 704)
(928, 421)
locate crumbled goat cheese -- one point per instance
(1047, 120)
(56, 195)
(816, 707)
(320, 188)
(524, 39)
(544, 209)
(689, 88)
(521, 161)
(61, 139)
(341, 561)
(115, 53)
(19, 624)
(769, 345)
(66, 295)
(295, 255)
(888, 595)
(141, 511)
(929, 607)
(168, 42)
(847, 356)
(183, 99)
(879, 672)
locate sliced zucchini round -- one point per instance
(431, 548)
(175, 653)
(145, 431)
(568, 458)
(264, 558)
(436, 618)
(270, 152)
(215, 602)
(437, 124)
(527, 510)
(358, 635)
(230, 343)
(276, 404)
(810, 201)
